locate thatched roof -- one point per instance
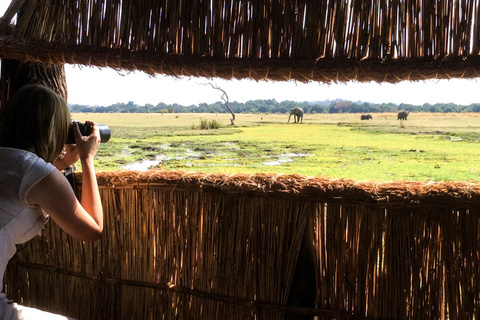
(325, 40)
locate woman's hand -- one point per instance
(87, 146)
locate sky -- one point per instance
(102, 87)
(105, 86)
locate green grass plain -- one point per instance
(428, 146)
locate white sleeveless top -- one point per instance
(19, 171)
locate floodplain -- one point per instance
(427, 146)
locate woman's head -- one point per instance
(38, 120)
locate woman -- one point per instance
(32, 149)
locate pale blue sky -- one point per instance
(95, 86)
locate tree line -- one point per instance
(273, 106)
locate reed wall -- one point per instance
(206, 246)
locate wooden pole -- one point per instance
(15, 74)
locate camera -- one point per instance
(86, 129)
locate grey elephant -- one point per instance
(366, 117)
(402, 115)
(297, 115)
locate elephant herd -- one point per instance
(298, 115)
(402, 115)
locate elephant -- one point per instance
(402, 115)
(297, 115)
(366, 117)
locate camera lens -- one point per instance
(86, 130)
(104, 133)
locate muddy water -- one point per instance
(148, 164)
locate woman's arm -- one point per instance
(84, 219)
(55, 195)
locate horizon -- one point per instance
(252, 100)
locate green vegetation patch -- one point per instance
(336, 148)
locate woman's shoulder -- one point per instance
(19, 171)
(21, 160)
(6, 152)
(17, 154)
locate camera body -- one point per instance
(86, 129)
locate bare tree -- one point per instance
(225, 99)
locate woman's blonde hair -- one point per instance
(38, 120)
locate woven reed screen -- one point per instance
(384, 41)
(205, 246)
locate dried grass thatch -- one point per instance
(326, 41)
(183, 245)
(377, 193)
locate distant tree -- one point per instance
(475, 107)
(358, 107)
(225, 99)
(340, 106)
(284, 107)
(316, 108)
(272, 106)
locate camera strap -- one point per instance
(70, 175)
